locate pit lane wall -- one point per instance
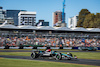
(21, 47)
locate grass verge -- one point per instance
(87, 55)
(16, 53)
(6, 62)
(80, 55)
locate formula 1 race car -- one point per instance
(87, 48)
(53, 54)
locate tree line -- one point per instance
(87, 19)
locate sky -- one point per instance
(45, 8)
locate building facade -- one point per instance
(2, 13)
(42, 23)
(13, 14)
(72, 22)
(3, 17)
(10, 21)
(57, 19)
(27, 18)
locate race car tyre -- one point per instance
(69, 58)
(94, 49)
(58, 56)
(34, 55)
(70, 54)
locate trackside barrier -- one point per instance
(27, 47)
(98, 48)
(48, 47)
(74, 47)
(60, 47)
(21, 47)
(13, 47)
(41, 47)
(67, 47)
(2, 47)
(6, 47)
(34, 47)
(79, 48)
(54, 48)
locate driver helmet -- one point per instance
(48, 50)
(68, 53)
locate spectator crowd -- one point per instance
(49, 41)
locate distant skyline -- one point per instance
(45, 8)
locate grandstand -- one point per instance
(48, 36)
(45, 29)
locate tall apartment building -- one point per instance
(27, 18)
(57, 19)
(72, 22)
(2, 13)
(3, 17)
(14, 15)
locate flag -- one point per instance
(71, 25)
(4, 22)
(39, 24)
(23, 22)
(56, 24)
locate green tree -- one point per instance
(89, 21)
(98, 23)
(97, 20)
(82, 15)
(92, 21)
(97, 15)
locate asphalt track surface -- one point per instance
(31, 51)
(79, 61)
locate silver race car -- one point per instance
(51, 54)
